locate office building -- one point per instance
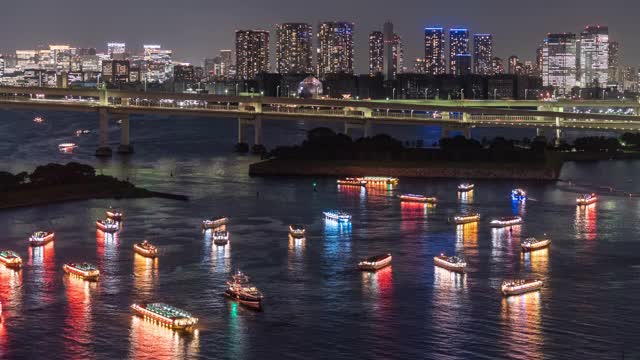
(559, 62)
(116, 50)
(116, 72)
(294, 48)
(252, 53)
(458, 45)
(434, 60)
(594, 56)
(482, 54)
(335, 48)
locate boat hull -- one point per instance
(252, 303)
(41, 242)
(11, 264)
(220, 242)
(448, 266)
(377, 266)
(108, 229)
(506, 225)
(581, 202)
(144, 252)
(81, 274)
(214, 224)
(466, 221)
(537, 246)
(520, 291)
(149, 316)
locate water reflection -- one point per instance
(10, 290)
(537, 260)
(444, 279)
(145, 274)
(108, 252)
(467, 239)
(378, 288)
(413, 215)
(586, 222)
(521, 322)
(502, 240)
(519, 208)
(42, 269)
(296, 251)
(221, 258)
(77, 330)
(465, 197)
(237, 335)
(150, 341)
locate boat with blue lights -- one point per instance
(451, 263)
(465, 187)
(586, 199)
(241, 290)
(145, 249)
(418, 198)
(337, 215)
(10, 259)
(375, 262)
(518, 195)
(165, 315)
(215, 223)
(107, 225)
(220, 238)
(297, 231)
(40, 238)
(520, 286)
(352, 182)
(84, 271)
(506, 221)
(466, 218)
(533, 244)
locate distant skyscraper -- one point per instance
(397, 55)
(418, 66)
(614, 61)
(335, 48)
(390, 61)
(513, 64)
(376, 53)
(226, 63)
(252, 53)
(294, 48)
(117, 49)
(539, 60)
(1, 66)
(458, 45)
(463, 64)
(482, 53)
(497, 67)
(434, 62)
(559, 65)
(594, 56)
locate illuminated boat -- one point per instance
(214, 223)
(518, 195)
(67, 147)
(352, 182)
(113, 214)
(418, 198)
(40, 238)
(452, 263)
(80, 132)
(10, 259)
(532, 244)
(336, 215)
(466, 218)
(517, 287)
(145, 249)
(586, 199)
(38, 120)
(221, 238)
(297, 231)
(464, 187)
(84, 271)
(165, 315)
(375, 262)
(379, 180)
(107, 225)
(506, 221)
(240, 289)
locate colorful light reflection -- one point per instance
(150, 341)
(586, 222)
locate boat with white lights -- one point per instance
(375, 262)
(352, 182)
(67, 147)
(418, 198)
(297, 231)
(165, 315)
(452, 263)
(533, 244)
(145, 249)
(113, 214)
(520, 286)
(40, 238)
(241, 290)
(82, 131)
(466, 218)
(107, 225)
(464, 187)
(518, 195)
(10, 259)
(506, 221)
(586, 199)
(220, 238)
(379, 180)
(215, 223)
(84, 271)
(337, 215)
(38, 120)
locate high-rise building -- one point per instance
(482, 53)
(594, 56)
(1, 66)
(458, 45)
(115, 49)
(463, 64)
(497, 67)
(376, 53)
(559, 62)
(158, 62)
(629, 78)
(397, 56)
(539, 60)
(226, 64)
(294, 48)
(252, 53)
(614, 61)
(434, 62)
(513, 64)
(335, 48)
(418, 66)
(390, 51)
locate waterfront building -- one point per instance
(252, 53)
(594, 56)
(559, 65)
(458, 45)
(376, 53)
(482, 53)
(294, 48)
(335, 48)
(434, 63)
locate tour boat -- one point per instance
(464, 187)
(375, 262)
(586, 199)
(115, 215)
(466, 219)
(352, 182)
(40, 238)
(452, 263)
(165, 315)
(80, 132)
(38, 120)
(145, 249)
(297, 231)
(517, 287)
(214, 223)
(506, 221)
(379, 180)
(67, 147)
(418, 198)
(107, 225)
(532, 244)
(10, 259)
(221, 238)
(336, 215)
(241, 290)
(84, 271)
(518, 195)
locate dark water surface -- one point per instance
(317, 306)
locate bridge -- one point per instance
(354, 114)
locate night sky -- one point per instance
(196, 29)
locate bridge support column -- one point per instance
(466, 131)
(365, 125)
(103, 148)
(257, 130)
(125, 141)
(241, 138)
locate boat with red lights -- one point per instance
(10, 259)
(586, 199)
(115, 215)
(520, 286)
(375, 262)
(40, 238)
(466, 218)
(145, 249)
(379, 180)
(452, 263)
(215, 223)
(241, 290)
(418, 198)
(465, 187)
(297, 231)
(533, 244)
(220, 238)
(506, 222)
(67, 147)
(107, 225)
(351, 182)
(84, 271)
(165, 315)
